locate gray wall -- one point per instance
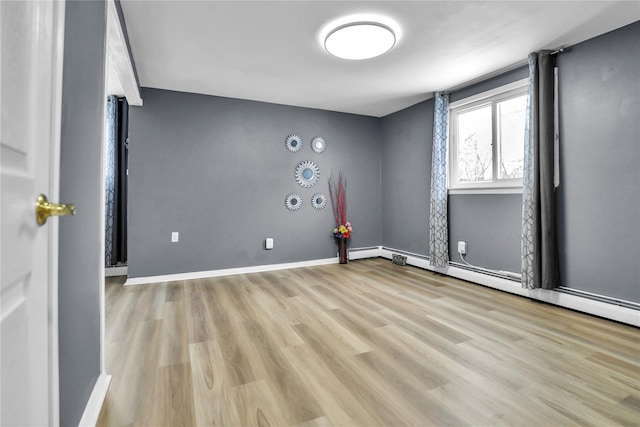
(217, 171)
(598, 199)
(599, 194)
(406, 177)
(80, 255)
(491, 225)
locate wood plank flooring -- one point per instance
(363, 344)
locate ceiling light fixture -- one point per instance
(360, 40)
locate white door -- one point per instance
(31, 39)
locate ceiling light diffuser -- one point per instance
(360, 40)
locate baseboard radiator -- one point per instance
(399, 251)
(403, 254)
(364, 248)
(597, 297)
(508, 276)
(512, 277)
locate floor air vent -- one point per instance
(399, 259)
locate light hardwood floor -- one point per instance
(363, 344)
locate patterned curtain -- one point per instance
(540, 266)
(438, 229)
(110, 177)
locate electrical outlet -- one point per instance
(268, 243)
(175, 237)
(462, 248)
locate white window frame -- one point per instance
(496, 185)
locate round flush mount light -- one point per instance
(360, 40)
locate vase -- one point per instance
(342, 250)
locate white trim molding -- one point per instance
(574, 302)
(354, 254)
(120, 65)
(94, 404)
(489, 190)
(518, 84)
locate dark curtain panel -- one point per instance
(540, 249)
(549, 268)
(117, 150)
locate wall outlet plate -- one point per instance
(268, 243)
(462, 248)
(175, 236)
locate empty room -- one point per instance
(322, 213)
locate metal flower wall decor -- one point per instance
(293, 143)
(318, 201)
(307, 174)
(293, 202)
(318, 144)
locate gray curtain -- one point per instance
(110, 178)
(116, 182)
(438, 221)
(540, 267)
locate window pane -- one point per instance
(474, 145)
(511, 117)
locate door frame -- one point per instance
(98, 395)
(54, 189)
(118, 61)
(119, 66)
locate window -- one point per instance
(487, 140)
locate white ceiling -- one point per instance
(270, 50)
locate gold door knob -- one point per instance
(44, 209)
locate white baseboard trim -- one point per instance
(94, 404)
(226, 272)
(115, 271)
(354, 254)
(574, 302)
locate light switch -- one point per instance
(175, 236)
(268, 244)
